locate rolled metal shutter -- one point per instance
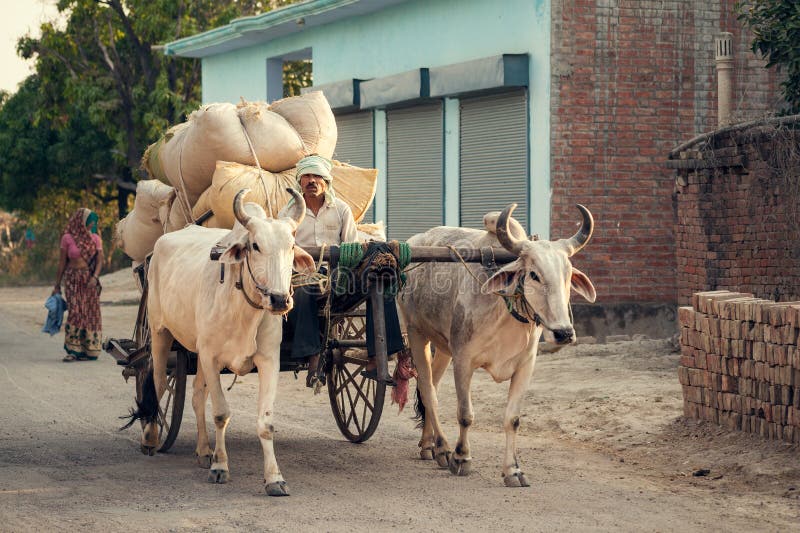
(494, 156)
(355, 145)
(415, 170)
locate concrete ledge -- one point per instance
(606, 322)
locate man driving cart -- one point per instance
(328, 221)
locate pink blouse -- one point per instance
(73, 252)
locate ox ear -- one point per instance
(303, 262)
(583, 285)
(235, 244)
(505, 281)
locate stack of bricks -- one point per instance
(740, 363)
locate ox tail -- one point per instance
(146, 409)
(419, 410)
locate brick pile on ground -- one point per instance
(740, 363)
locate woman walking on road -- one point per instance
(79, 267)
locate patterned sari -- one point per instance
(83, 330)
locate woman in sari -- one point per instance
(79, 268)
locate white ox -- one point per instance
(225, 325)
(469, 322)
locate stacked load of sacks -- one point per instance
(200, 165)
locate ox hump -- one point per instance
(514, 227)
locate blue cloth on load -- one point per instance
(56, 306)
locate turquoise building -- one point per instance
(448, 99)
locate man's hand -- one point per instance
(303, 262)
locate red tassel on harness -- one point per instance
(404, 371)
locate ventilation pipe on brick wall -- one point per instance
(723, 43)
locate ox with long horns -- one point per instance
(236, 324)
(493, 324)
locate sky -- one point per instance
(17, 18)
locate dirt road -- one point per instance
(601, 441)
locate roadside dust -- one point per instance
(602, 440)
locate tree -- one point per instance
(106, 67)
(775, 25)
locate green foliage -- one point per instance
(296, 75)
(38, 263)
(75, 131)
(775, 25)
(36, 153)
(104, 70)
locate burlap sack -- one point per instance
(202, 205)
(372, 232)
(353, 185)
(174, 215)
(278, 146)
(213, 222)
(153, 158)
(310, 114)
(137, 233)
(186, 156)
(265, 188)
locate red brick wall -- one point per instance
(630, 81)
(739, 217)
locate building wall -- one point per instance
(614, 86)
(630, 81)
(739, 213)
(411, 35)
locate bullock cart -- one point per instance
(356, 399)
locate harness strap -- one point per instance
(490, 265)
(487, 260)
(240, 285)
(518, 300)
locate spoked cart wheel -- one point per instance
(356, 400)
(170, 408)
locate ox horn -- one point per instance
(238, 208)
(297, 211)
(575, 243)
(510, 243)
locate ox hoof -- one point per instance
(216, 475)
(276, 488)
(426, 454)
(516, 480)
(148, 450)
(459, 467)
(443, 459)
(204, 461)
